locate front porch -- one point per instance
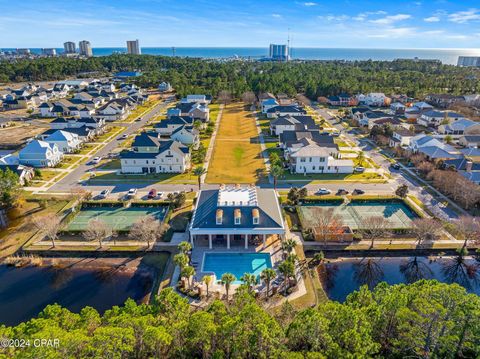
(229, 241)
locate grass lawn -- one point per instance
(141, 109)
(69, 160)
(110, 165)
(237, 152)
(161, 178)
(178, 222)
(20, 229)
(110, 131)
(47, 175)
(86, 148)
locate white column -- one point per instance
(264, 240)
(210, 241)
(191, 240)
(228, 241)
(246, 241)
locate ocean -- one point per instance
(446, 56)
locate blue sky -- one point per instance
(250, 23)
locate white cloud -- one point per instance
(331, 17)
(310, 4)
(463, 17)
(277, 16)
(394, 32)
(387, 20)
(432, 19)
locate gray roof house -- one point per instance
(236, 215)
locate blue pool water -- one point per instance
(236, 263)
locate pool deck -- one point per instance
(272, 247)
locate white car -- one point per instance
(132, 192)
(323, 191)
(104, 194)
(96, 160)
(359, 169)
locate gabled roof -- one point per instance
(288, 138)
(286, 109)
(175, 120)
(146, 139)
(60, 135)
(163, 146)
(37, 146)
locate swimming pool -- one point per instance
(236, 263)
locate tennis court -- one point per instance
(354, 213)
(119, 218)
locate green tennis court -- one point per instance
(119, 218)
(353, 214)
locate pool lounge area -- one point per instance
(236, 263)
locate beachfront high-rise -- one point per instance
(133, 47)
(69, 47)
(85, 48)
(469, 61)
(279, 52)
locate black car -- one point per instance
(358, 191)
(342, 192)
(396, 166)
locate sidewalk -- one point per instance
(211, 145)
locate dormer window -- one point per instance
(219, 216)
(256, 216)
(237, 216)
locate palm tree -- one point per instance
(292, 257)
(207, 279)
(184, 247)
(227, 280)
(276, 171)
(319, 257)
(289, 245)
(199, 172)
(287, 268)
(188, 272)
(249, 280)
(267, 276)
(360, 158)
(181, 260)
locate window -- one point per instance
(255, 220)
(310, 159)
(237, 220)
(303, 159)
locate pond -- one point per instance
(24, 292)
(345, 275)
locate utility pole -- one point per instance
(173, 51)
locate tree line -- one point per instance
(314, 78)
(426, 319)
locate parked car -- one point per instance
(358, 191)
(342, 192)
(396, 166)
(123, 137)
(104, 194)
(132, 192)
(323, 191)
(359, 169)
(335, 134)
(152, 194)
(96, 160)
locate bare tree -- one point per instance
(249, 97)
(80, 194)
(468, 229)
(327, 223)
(224, 97)
(426, 229)
(147, 229)
(304, 100)
(49, 225)
(97, 230)
(375, 227)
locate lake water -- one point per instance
(24, 292)
(447, 56)
(343, 277)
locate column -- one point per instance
(228, 241)
(264, 240)
(191, 239)
(246, 241)
(210, 241)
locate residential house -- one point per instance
(466, 167)
(268, 103)
(195, 110)
(186, 135)
(288, 139)
(385, 121)
(308, 157)
(201, 99)
(165, 87)
(443, 100)
(236, 216)
(365, 118)
(398, 108)
(375, 99)
(40, 154)
(432, 148)
(460, 127)
(149, 154)
(292, 123)
(67, 142)
(472, 141)
(342, 100)
(401, 137)
(25, 173)
(434, 118)
(168, 126)
(292, 110)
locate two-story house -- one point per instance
(401, 137)
(292, 123)
(149, 154)
(40, 154)
(66, 142)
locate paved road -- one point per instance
(71, 180)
